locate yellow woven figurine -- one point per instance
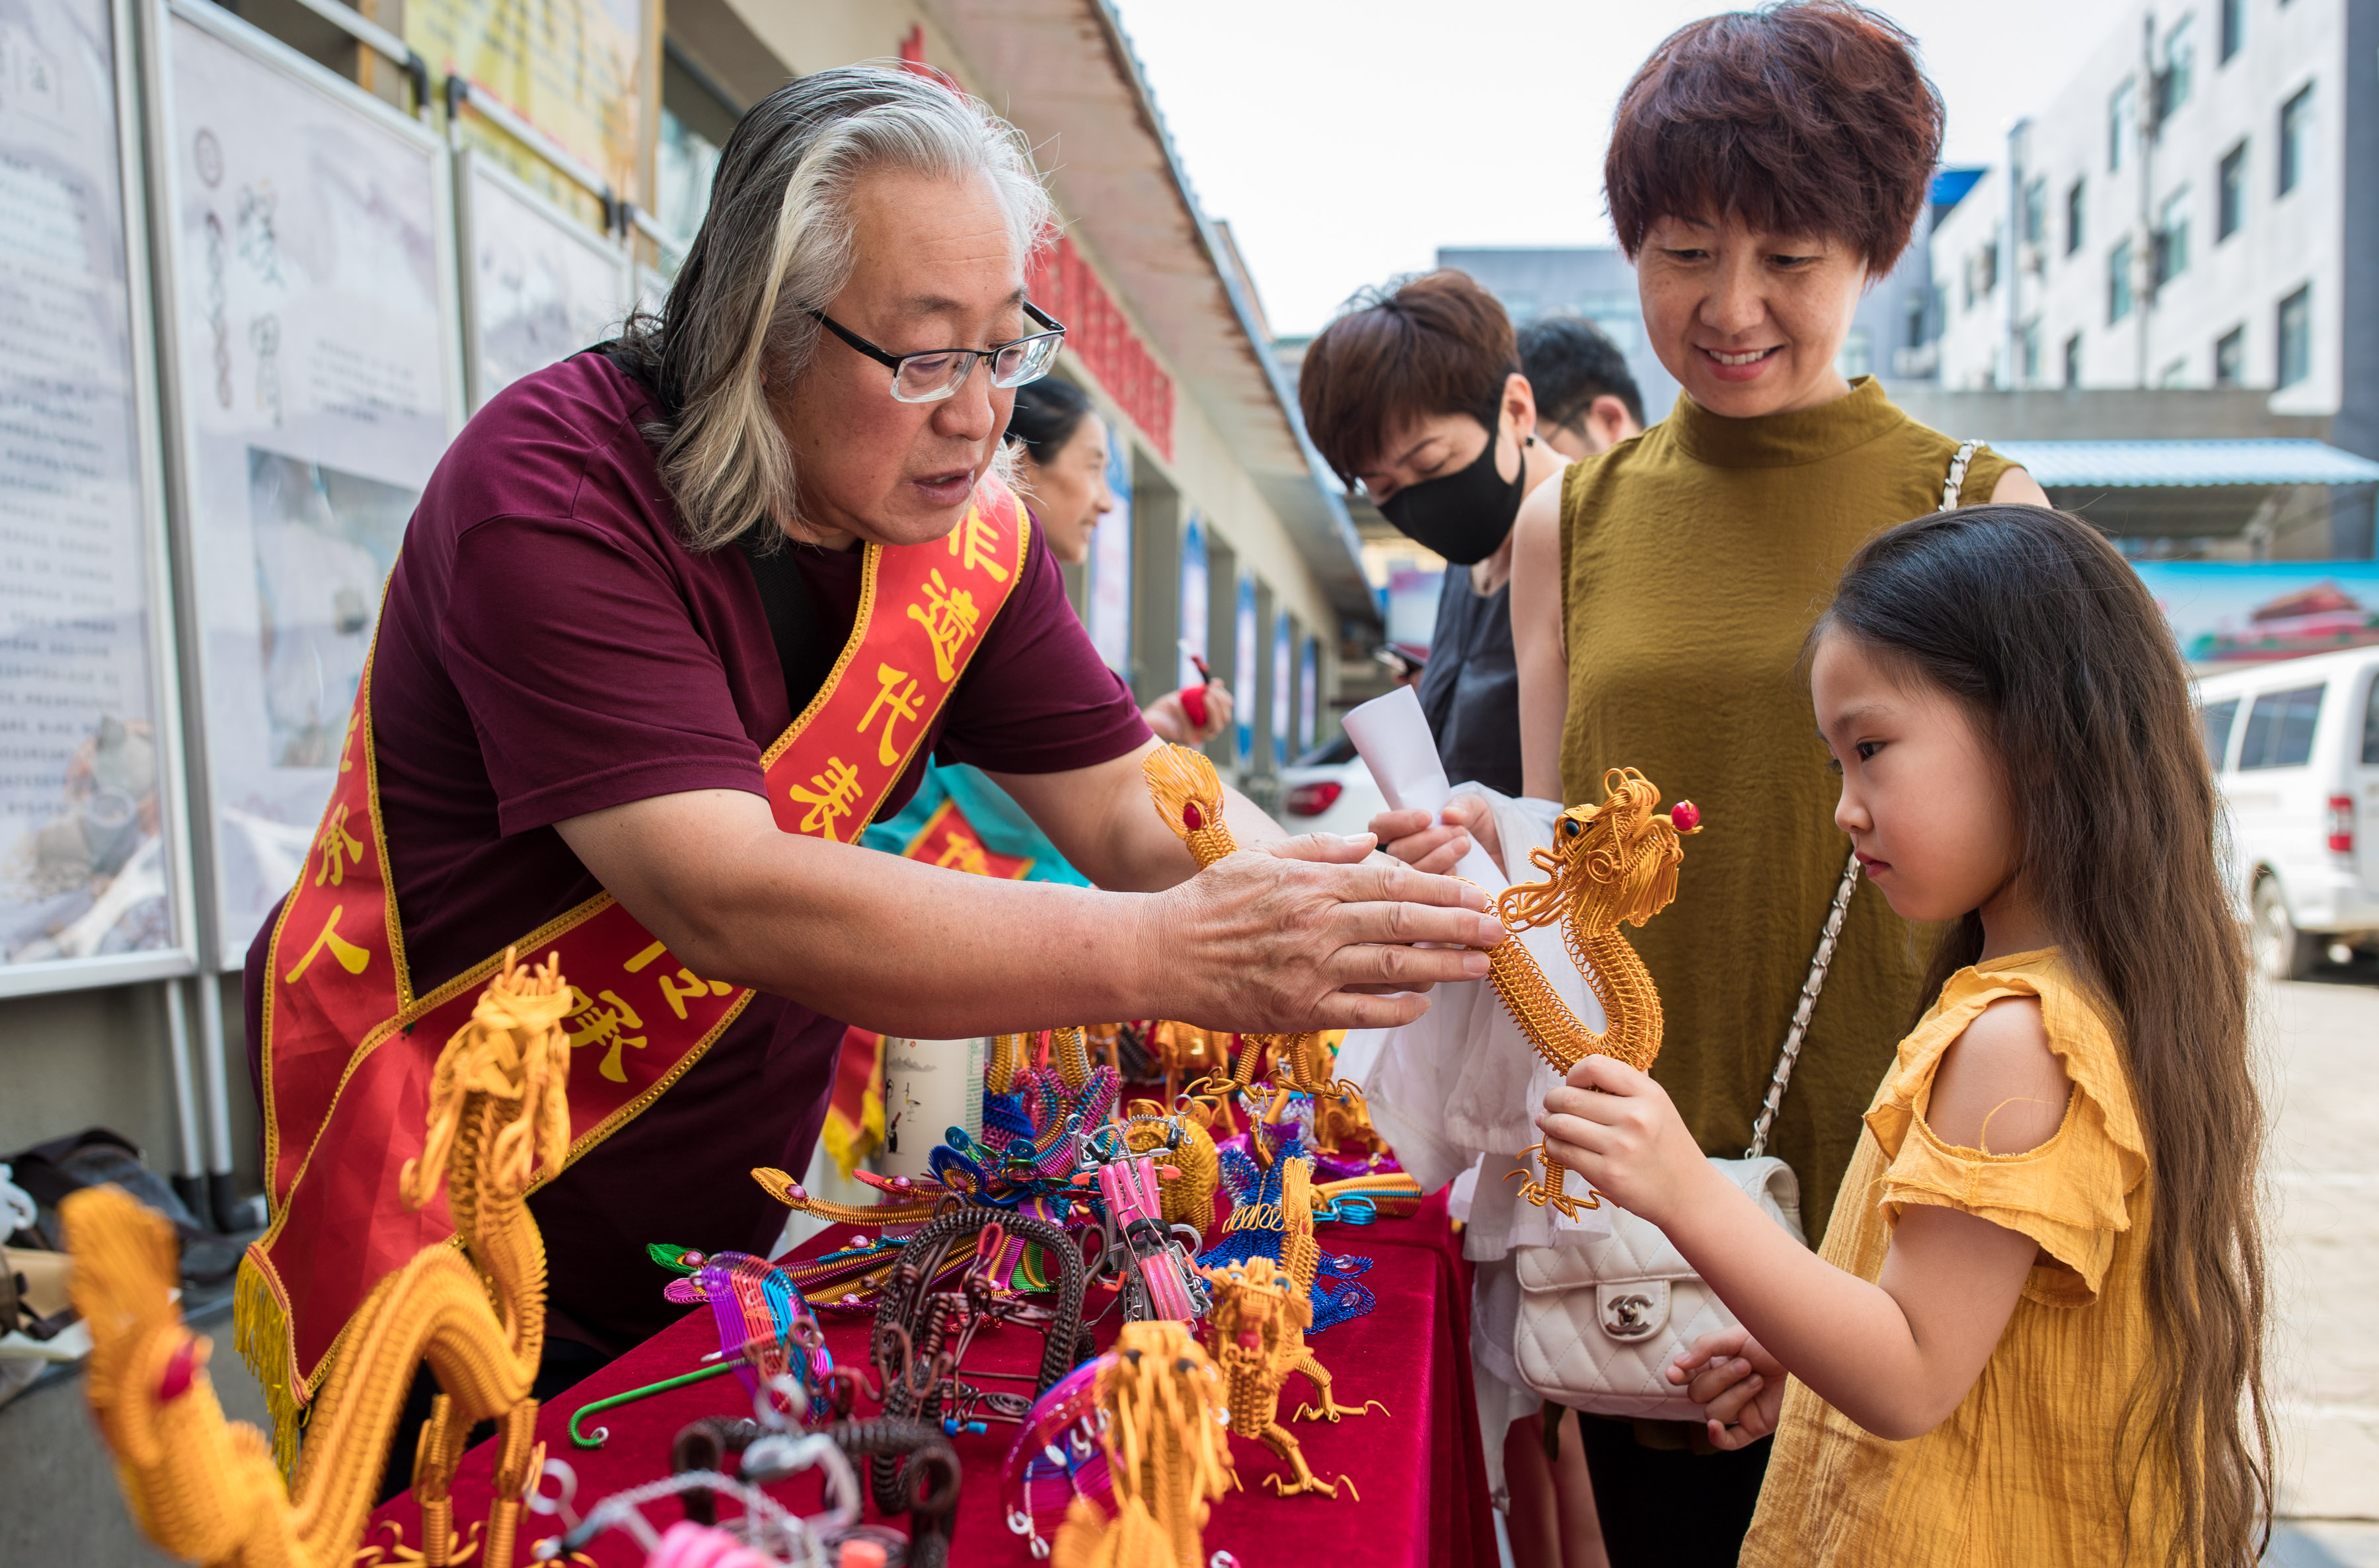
(1167, 1455)
(1255, 1332)
(1610, 863)
(208, 1490)
(1187, 1198)
(1188, 795)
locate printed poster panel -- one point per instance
(86, 868)
(1109, 598)
(315, 348)
(1243, 669)
(2226, 614)
(1283, 641)
(1309, 696)
(1193, 601)
(572, 68)
(541, 285)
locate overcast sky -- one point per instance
(1346, 140)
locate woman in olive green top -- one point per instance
(1763, 168)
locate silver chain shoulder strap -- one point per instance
(1952, 489)
(1956, 483)
(1807, 1004)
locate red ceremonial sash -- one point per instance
(348, 1047)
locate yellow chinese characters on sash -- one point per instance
(348, 1047)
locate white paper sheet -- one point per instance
(1392, 739)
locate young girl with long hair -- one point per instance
(2034, 1333)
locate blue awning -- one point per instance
(2188, 464)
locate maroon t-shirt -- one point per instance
(547, 647)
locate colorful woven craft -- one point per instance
(765, 1323)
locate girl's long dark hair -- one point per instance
(2051, 641)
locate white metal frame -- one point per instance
(222, 951)
(173, 815)
(470, 165)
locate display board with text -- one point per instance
(572, 69)
(314, 355)
(92, 860)
(538, 285)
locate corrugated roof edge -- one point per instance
(1324, 483)
(2189, 463)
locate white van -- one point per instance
(2295, 748)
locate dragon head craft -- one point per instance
(1609, 865)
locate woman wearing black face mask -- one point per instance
(1416, 393)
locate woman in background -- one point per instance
(1063, 474)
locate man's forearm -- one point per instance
(1102, 819)
(890, 944)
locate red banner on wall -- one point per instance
(1064, 286)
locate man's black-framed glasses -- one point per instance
(936, 373)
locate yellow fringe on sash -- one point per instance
(847, 1146)
(260, 1332)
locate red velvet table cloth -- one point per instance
(1418, 1468)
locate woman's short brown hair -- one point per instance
(1805, 118)
(1436, 343)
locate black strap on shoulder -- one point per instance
(804, 652)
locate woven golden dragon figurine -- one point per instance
(207, 1490)
(1611, 864)
(1167, 1455)
(1255, 1332)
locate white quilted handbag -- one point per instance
(1600, 1320)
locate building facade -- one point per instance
(2181, 215)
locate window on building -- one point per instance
(2231, 206)
(2296, 138)
(2234, 28)
(1857, 356)
(2027, 353)
(2174, 375)
(2073, 226)
(2073, 360)
(2230, 358)
(2179, 78)
(2036, 211)
(2216, 723)
(2122, 123)
(2119, 282)
(2279, 728)
(697, 120)
(1911, 326)
(2172, 238)
(2296, 337)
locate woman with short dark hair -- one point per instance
(1415, 395)
(1764, 167)
(1061, 448)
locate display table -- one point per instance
(1418, 1468)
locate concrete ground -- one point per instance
(2321, 1043)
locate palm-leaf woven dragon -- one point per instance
(1609, 865)
(207, 1490)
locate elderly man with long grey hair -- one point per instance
(674, 617)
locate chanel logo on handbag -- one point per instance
(1629, 1316)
